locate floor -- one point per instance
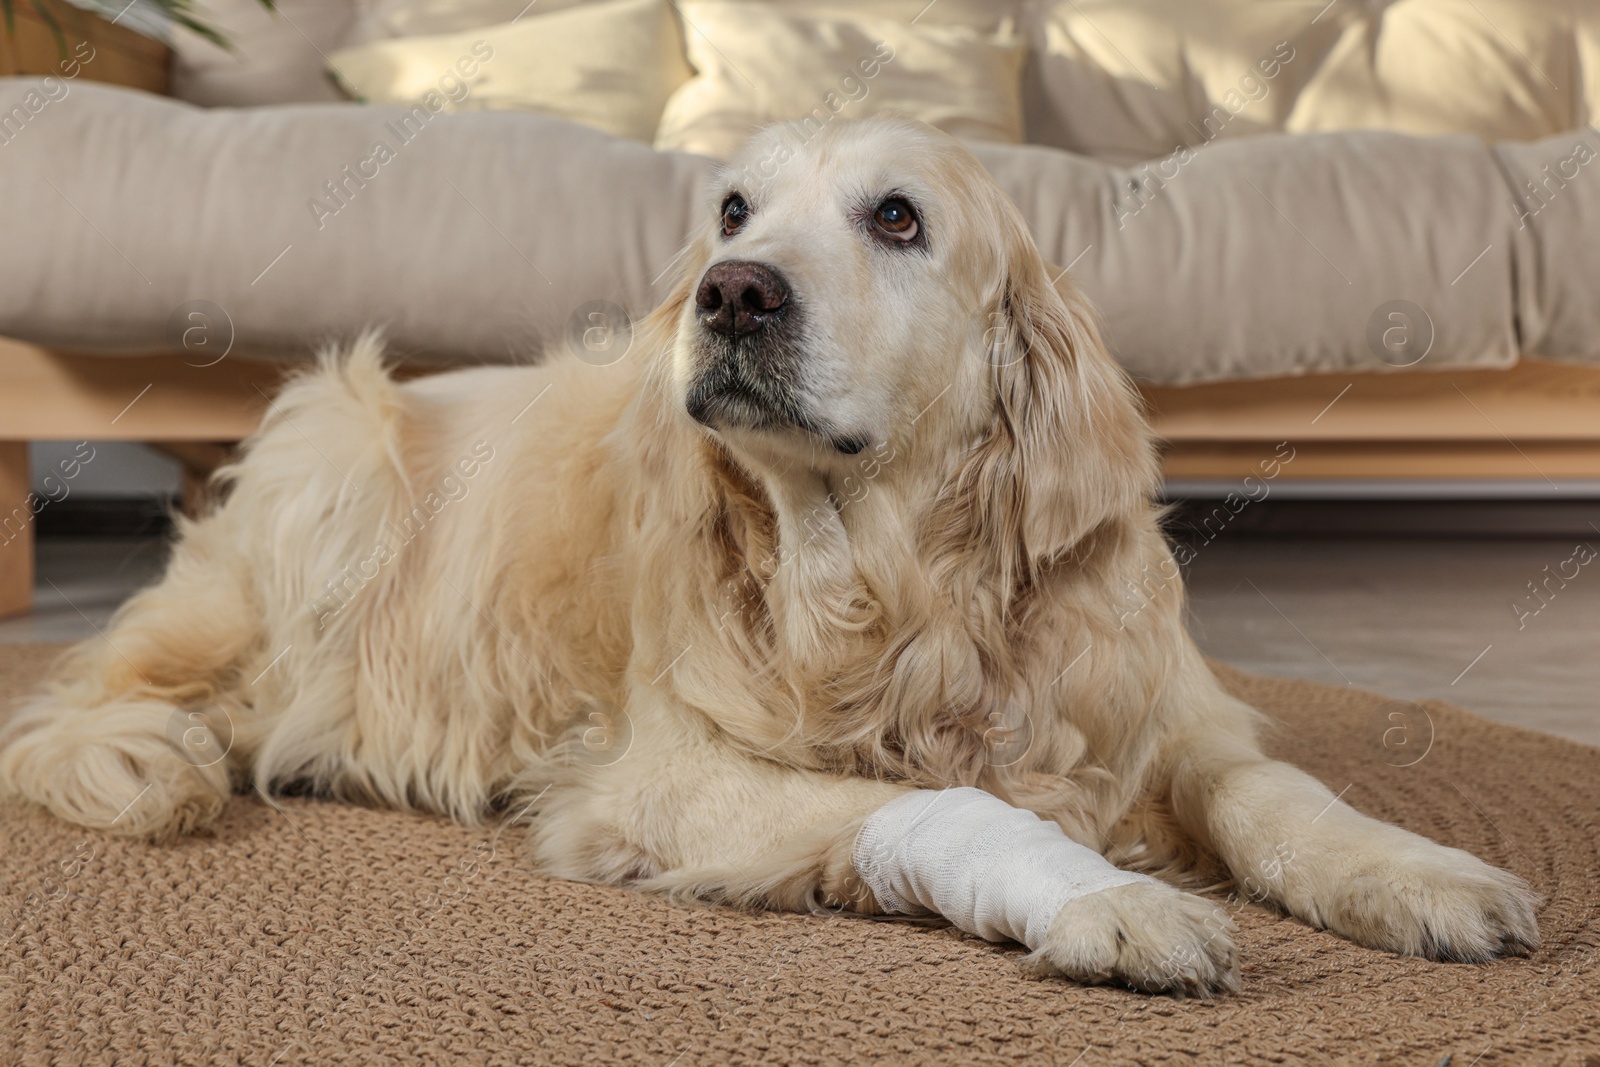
(1448, 619)
(1453, 619)
(80, 581)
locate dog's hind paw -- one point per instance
(124, 767)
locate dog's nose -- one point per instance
(738, 297)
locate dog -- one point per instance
(857, 515)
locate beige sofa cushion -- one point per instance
(1131, 80)
(488, 234)
(760, 63)
(473, 236)
(609, 65)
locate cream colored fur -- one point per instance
(431, 595)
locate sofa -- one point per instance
(1322, 222)
(1240, 215)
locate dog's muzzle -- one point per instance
(748, 356)
(751, 355)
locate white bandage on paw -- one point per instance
(993, 870)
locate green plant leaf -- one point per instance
(178, 12)
(55, 28)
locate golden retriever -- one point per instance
(866, 508)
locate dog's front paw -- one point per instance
(1146, 935)
(1436, 902)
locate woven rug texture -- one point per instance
(320, 933)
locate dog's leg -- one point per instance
(684, 812)
(128, 738)
(1286, 838)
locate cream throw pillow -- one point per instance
(382, 19)
(609, 65)
(758, 63)
(1134, 80)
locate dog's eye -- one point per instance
(894, 218)
(735, 212)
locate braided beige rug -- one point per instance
(328, 934)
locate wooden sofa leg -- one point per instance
(16, 530)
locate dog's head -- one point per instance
(866, 285)
(843, 278)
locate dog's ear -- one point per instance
(1068, 448)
